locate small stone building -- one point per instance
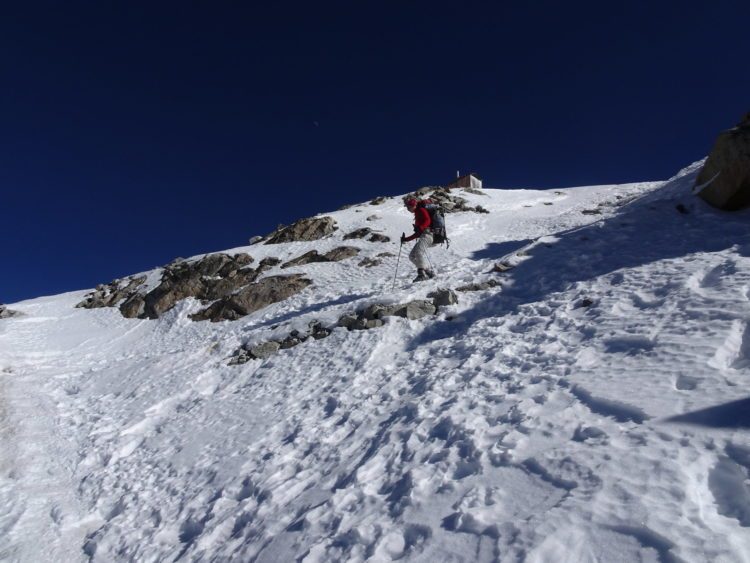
(470, 180)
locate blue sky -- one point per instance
(134, 133)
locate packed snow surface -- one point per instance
(593, 407)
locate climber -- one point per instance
(422, 231)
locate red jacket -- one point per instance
(422, 221)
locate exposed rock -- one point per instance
(379, 200)
(212, 277)
(253, 297)
(373, 218)
(240, 357)
(379, 311)
(377, 237)
(318, 331)
(133, 307)
(294, 338)
(256, 239)
(347, 321)
(447, 200)
(112, 293)
(264, 350)
(481, 286)
(313, 228)
(341, 253)
(443, 297)
(359, 233)
(502, 267)
(335, 255)
(368, 262)
(414, 310)
(592, 212)
(724, 181)
(306, 258)
(6, 313)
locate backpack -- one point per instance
(437, 222)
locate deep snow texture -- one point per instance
(594, 407)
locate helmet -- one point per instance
(410, 202)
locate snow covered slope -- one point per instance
(594, 407)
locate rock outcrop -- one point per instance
(212, 277)
(6, 313)
(112, 293)
(253, 297)
(313, 228)
(335, 255)
(215, 277)
(448, 201)
(724, 181)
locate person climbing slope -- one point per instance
(422, 231)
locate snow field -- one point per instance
(530, 422)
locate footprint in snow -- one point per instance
(685, 382)
(734, 352)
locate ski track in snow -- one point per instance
(530, 422)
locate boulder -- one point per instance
(253, 297)
(347, 320)
(373, 218)
(417, 309)
(377, 237)
(379, 200)
(313, 228)
(724, 180)
(318, 331)
(443, 297)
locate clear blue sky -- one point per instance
(134, 132)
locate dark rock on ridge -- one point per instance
(313, 228)
(725, 176)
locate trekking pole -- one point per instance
(393, 286)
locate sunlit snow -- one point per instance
(594, 407)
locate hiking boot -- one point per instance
(421, 276)
(430, 274)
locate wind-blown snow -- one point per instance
(592, 408)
